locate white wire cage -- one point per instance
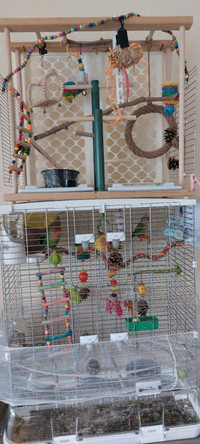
(114, 272)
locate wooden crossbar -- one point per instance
(56, 302)
(55, 337)
(54, 320)
(51, 271)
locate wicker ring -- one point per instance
(148, 109)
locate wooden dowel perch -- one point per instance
(91, 118)
(83, 134)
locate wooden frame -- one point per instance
(101, 45)
(63, 23)
(151, 24)
(87, 195)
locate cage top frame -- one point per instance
(100, 204)
(59, 23)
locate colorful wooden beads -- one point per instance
(141, 288)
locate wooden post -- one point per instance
(10, 100)
(18, 77)
(167, 76)
(181, 102)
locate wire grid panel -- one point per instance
(60, 374)
(152, 256)
(6, 148)
(190, 126)
(5, 130)
(75, 152)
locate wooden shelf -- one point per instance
(95, 46)
(52, 24)
(87, 195)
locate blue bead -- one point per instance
(90, 25)
(52, 37)
(63, 33)
(13, 161)
(114, 295)
(169, 110)
(82, 69)
(102, 22)
(75, 28)
(39, 278)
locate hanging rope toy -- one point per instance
(121, 59)
(170, 89)
(45, 102)
(170, 135)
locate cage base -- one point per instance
(148, 434)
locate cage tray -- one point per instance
(145, 323)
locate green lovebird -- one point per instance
(141, 229)
(52, 240)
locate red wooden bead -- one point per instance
(113, 282)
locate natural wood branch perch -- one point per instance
(107, 111)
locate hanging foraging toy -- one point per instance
(170, 89)
(141, 229)
(84, 293)
(112, 303)
(141, 289)
(173, 164)
(121, 57)
(115, 260)
(124, 56)
(82, 79)
(83, 276)
(129, 304)
(142, 307)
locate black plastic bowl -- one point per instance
(60, 178)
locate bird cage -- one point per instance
(104, 306)
(98, 337)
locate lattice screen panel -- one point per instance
(75, 152)
(147, 131)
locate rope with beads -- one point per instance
(42, 42)
(157, 257)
